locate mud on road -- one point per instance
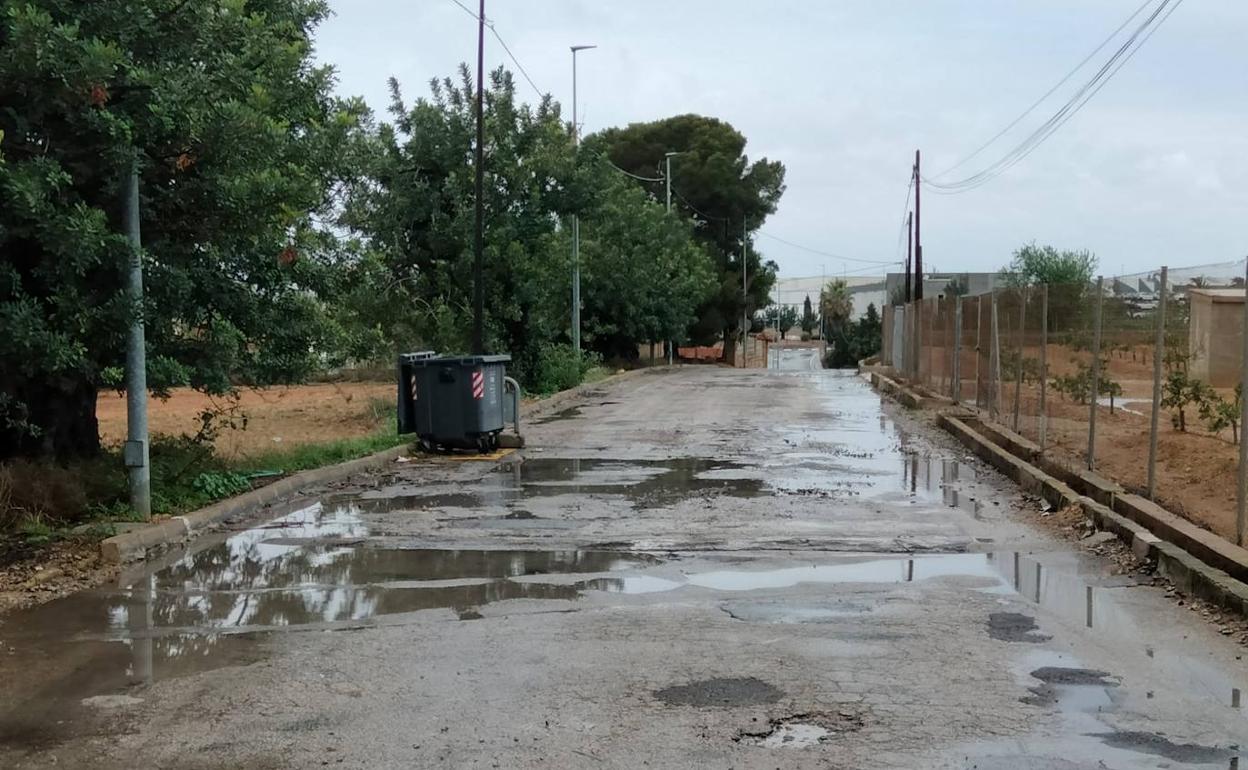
(696, 567)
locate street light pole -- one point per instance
(745, 288)
(136, 454)
(478, 242)
(576, 221)
(667, 177)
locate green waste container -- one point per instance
(452, 403)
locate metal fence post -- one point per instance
(1022, 349)
(1159, 352)
(1096, 371)
(994, 363)
(979, 343)
(1044, 366)
(957, 350)
(1241, 504)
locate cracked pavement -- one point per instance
(697, 567)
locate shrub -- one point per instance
(1220, 414)
(559, 368)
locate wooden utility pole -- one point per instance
(918, 229)
(909, 252)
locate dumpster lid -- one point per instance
(465, 361)
(475, 360)
(421, 356)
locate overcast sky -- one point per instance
(1153, 171)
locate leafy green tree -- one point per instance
(413, 205)
(721, 190)
(239, 145)
(1034, 265)
(786, 318)
(643, 275)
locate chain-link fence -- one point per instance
(1137, 377)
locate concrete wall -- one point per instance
(1216, 335)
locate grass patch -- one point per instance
(43, 502)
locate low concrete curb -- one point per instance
(134, 545)
(903, 394)
(1151, 531)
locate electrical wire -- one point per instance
(695, 208)
(825, 253)
(634, 176)
(490, 24)
(1111, 67)
(541, 94)
(1048, 93)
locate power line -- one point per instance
(1072, 106)
(1048, 93)
(541, 94)
(634, 176)
(695, 208)
(824, 253)
(503, 43)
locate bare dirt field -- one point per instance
(277, 418)
(1195, 470)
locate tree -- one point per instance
(1034, 265)
(836, 305)
(238, 144)
(786, 319)
(413, 205)
(956, 287)
(722, 191)
(643, 274)
(1068, 274)
(809, 320)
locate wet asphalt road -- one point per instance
(697, 567)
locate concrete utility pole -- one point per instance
(745, 288)
(576, 221)
(136, 453)
(1241, 500)
(667, 177)
(918, 229)
(478, 243)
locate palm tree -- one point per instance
(836, 304)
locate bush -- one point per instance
(559, 367)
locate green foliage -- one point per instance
(1034, 265)
(559, 368)
(219, 485)
(786, 318)
(836, 305)
(643, 275)
(1220, 413)
(1180, 392)
(852, 342)
(239, 143)
(720, 190)
(1078, 386)
(809, 319)
(1010, 362)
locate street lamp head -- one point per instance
(576, 48)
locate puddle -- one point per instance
(1014, 627)
(728, 692)
(644, 483)
(564, 414)
(789, 735)
(803, 731)
(976, 565)
(1159, 745)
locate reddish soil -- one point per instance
(1195, 470)
(276, 417)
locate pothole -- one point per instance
(802, 731)
(733, 691)
(1014, 627)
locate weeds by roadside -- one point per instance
(42, 503)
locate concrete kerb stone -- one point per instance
(1189, 573)
(135, 544)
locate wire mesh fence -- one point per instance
(1136, 376)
